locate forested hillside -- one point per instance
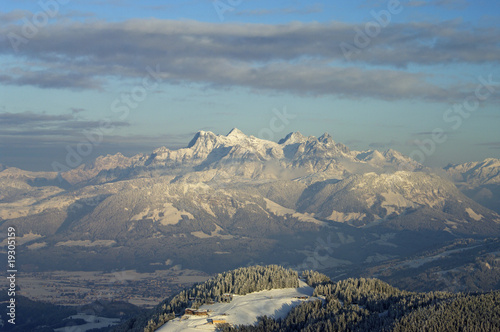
(348, 305)
(240, 281)
(372, 305)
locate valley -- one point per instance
(78, 288)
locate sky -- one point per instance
(79, 79)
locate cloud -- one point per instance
(75, 110)
(49, 79)
(428, 133)
(28, 136)
(310, 9)
(13, 120)
(300, 58)
(20, 151)
(20, 16)
(490, 145)
(14, 16)
(31, 124)
(449, 4)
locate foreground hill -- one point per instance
(347, 305)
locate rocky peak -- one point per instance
(292, 138)
(326, 138)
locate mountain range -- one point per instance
(233, 200)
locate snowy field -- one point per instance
(243, 309)
(92, 322)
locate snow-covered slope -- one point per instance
(476, 173)
(244, 309)
(372, 198)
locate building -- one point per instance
(196, 312)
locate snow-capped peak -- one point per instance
(491, 162)
(201, 135)
(235, 132)
(292, 138)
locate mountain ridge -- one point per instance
(240, 197)
(207, 150)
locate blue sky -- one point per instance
(97, 77)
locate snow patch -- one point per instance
(473, 214)
(344, 217)
(451, 223)
(207, 209)
(33, 205)
(393, 201)
(35, 246)
(28, 237)
(23, 239)
(168, 215)
(91, 322)
(87, 243)
(216, 233)
(279, 210)
(308, 217)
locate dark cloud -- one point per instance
(49, 79)
(294, 57)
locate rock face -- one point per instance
(239, 198)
